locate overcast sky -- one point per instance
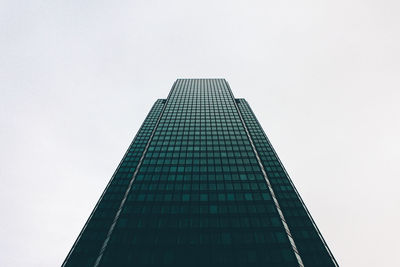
(77, 79)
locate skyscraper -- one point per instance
(200, 185)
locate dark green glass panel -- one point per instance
(191, 191)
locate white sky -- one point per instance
(77, 79)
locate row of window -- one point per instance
(167, 169)
(199, 142)
(200, 148)
(187, 184)
(194, 197)
(212, 135)
(199, 238)
(209, 154)
(197, 161)
(194, 256)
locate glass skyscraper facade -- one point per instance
(200, 185)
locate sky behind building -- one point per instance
(78, 78)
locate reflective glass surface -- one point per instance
(190, 191)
